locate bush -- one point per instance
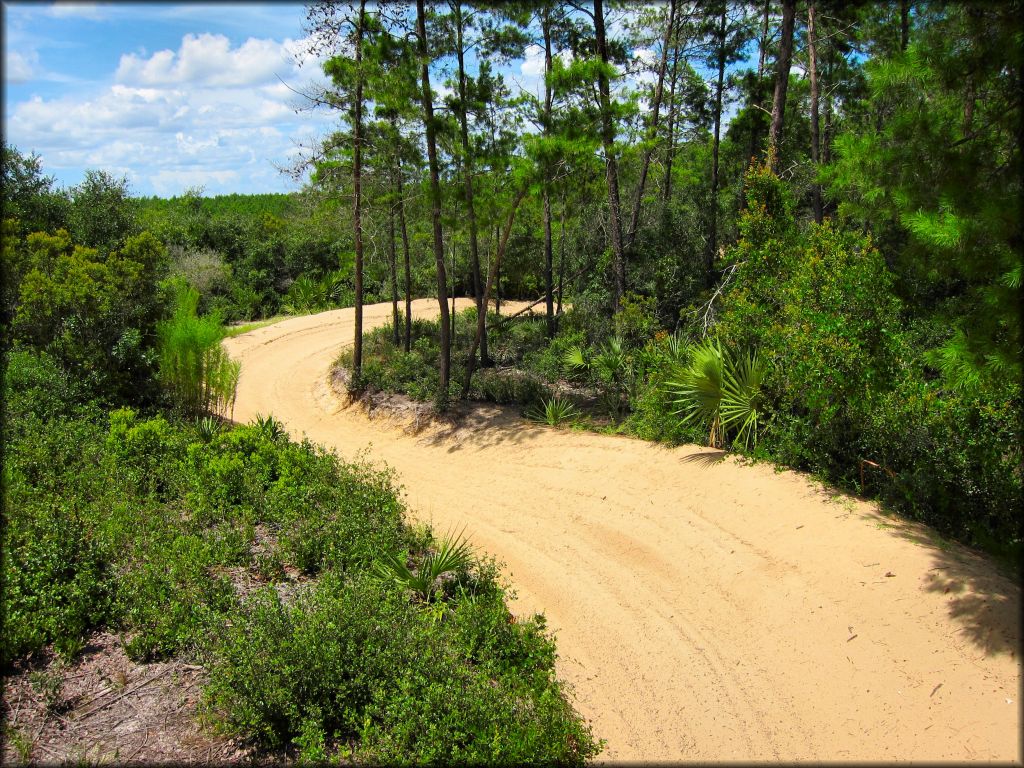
(155, 528)
(510, 387)
(819, 308)
(93, 313)
(352, 660)
(957, 460)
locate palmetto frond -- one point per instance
(720, 390)
(453, 554)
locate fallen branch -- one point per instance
(889, 472)
(133, 689)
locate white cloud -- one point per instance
(210, 60)
(75, 10)
(18, 67)
(533, 63)
(645, 55)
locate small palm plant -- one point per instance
(574, 359)
(453, 554)
(271, 428)
(304, 296)
(554, 411)
(720, 390)
(208, 428)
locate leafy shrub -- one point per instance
(507, 387)
(56, 576)
(203, 268)
(549, 361)
(956, 457)
(819, 308)
(167, 595)
(350, 659)
(93, 313)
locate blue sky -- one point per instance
(170, 96)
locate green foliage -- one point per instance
(94, 314)
(269, 427)
(351, 660)
(194, 367)
(510, 387)
(956, 456)
(721, 390)
(452, 556)
(818, 307)
(29, 197)
(387, 368)
(208, 427)
(102, 213)
(939, 182)
(553, 412)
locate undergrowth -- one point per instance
(153, 527)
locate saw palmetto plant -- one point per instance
(722, 391)
(453, 554)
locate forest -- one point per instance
(789, 230)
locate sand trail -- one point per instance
(704, 609)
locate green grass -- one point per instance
(239, 328)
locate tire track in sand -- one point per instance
(704, 610)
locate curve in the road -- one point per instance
(704, 609)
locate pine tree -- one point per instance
(940, 182)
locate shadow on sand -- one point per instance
(982, 597)
(705, 458)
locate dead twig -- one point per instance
(889, 472)
(118, 698)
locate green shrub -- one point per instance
(957, 460)
(56, 576)
(352, 660)
(819, 308)
(167, 595)
(93, 312)
(507, 387)
(143, 526)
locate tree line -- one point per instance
(624, 173)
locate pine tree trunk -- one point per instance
(826, 143)
(758, 116)
(407, 341)
(435, 200)
(712, 244)
(781, 83)
(468, 166)
(652, 130)
(670, 150)
(904, 25)
(812, 56)
(548, 255)
(561, 254)
(393, 267)
(610, 161)
(357, 201)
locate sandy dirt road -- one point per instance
(704, 610)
